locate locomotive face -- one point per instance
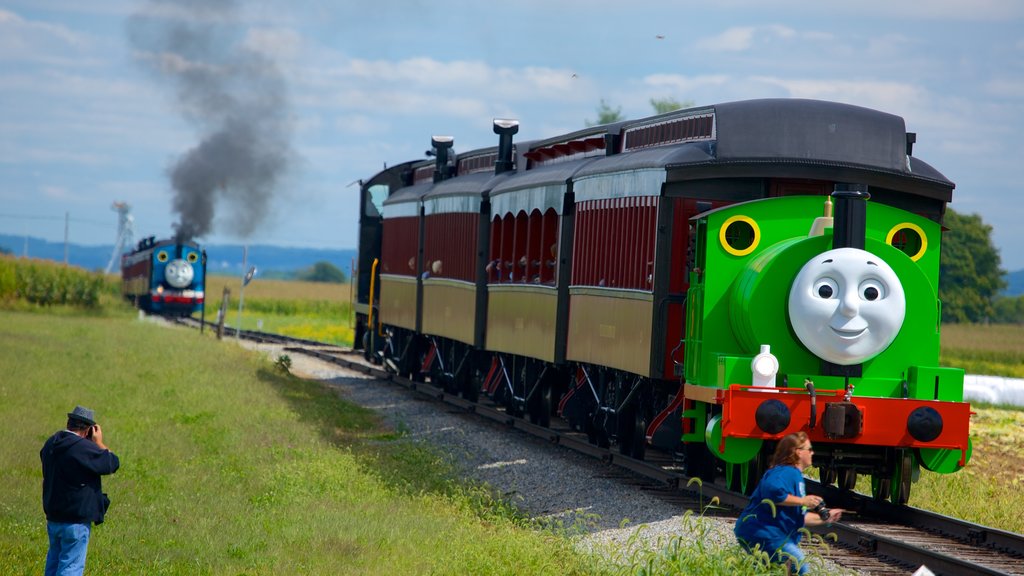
(846, 305)
(178, 273)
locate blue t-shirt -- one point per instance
(756, 524)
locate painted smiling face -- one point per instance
(178, 273)
(846, 305)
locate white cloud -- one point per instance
(425, 86)
(684, 84)
(742, 38)
(732, 40)
(891, 96)
(278, 44)
(36, 41)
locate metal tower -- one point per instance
(124, 233)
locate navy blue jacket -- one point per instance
(72, 490)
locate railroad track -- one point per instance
(879, 537)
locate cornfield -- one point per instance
(45, 283)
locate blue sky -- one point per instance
(92, 110)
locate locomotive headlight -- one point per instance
(764, 367)
(847, 305)
(178, 273)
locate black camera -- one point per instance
(822, 511)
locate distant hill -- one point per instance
(1015, 283)
(271, 261)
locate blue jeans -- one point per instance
(68, 545)
(791, 551)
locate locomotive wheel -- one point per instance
(847, 478)
(639, 437)
(596, 432)
(732, 476)
(903, 478)
(699, 462)
(544, 405)
(744, 477)
(625, 431)
(540, 406)
(471, 386)
(828, 476)
(751, 474)
(880, 487)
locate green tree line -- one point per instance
(971, 277)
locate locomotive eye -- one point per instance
(826, 288)
(161, 256)
(871, 290)
(909, 239)
(739, 235)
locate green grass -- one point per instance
(230, 466)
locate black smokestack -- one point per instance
(236, 98)
(850, 223)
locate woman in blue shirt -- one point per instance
(776, 529)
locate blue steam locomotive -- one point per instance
(165, 277)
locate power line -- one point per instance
(54, 218)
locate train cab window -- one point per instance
(739, 235)
(909, 239)
(377, 194)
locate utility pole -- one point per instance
(241, 292)
(246, 278)
(67, 218)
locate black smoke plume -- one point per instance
(236, 98)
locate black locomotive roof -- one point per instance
(791, 138)
(812, 130)
(412, 193)
(548, 175)
(658, 157)
(470, 184)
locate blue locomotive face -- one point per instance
(176, 266)
(847, 305)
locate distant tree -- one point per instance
(662, 105)
(969, 274)
(5, 250)
(606, 115)
(323, 272)
(1008, 310)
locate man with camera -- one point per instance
(73, 462)
(780, 506)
